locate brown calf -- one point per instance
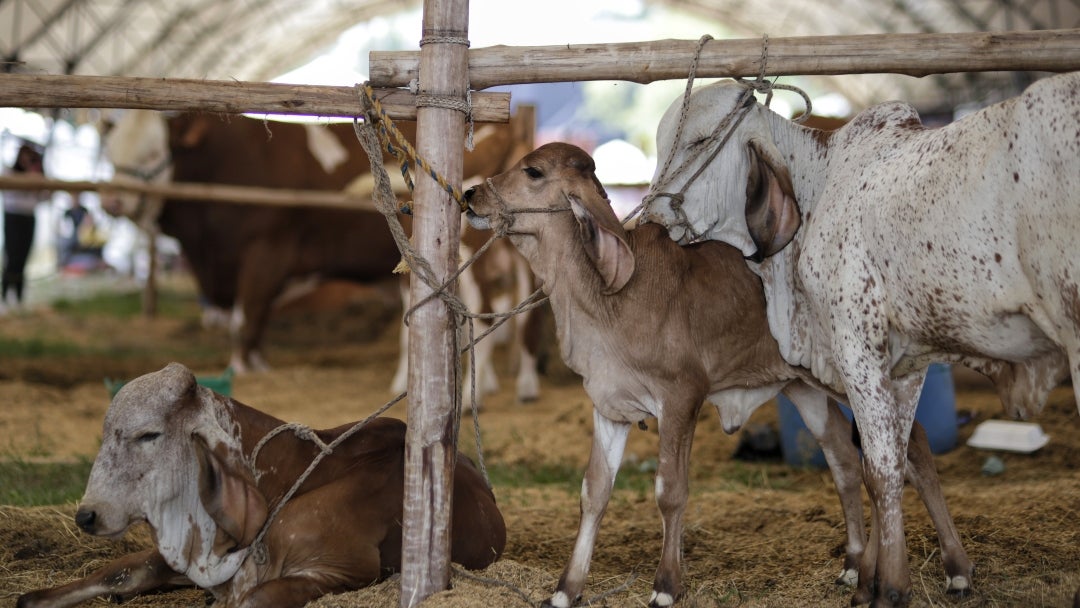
(183, 459)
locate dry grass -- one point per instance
(757, 535)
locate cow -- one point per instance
(244, 256)
(885, 245)
(704, 313)
(211, 476)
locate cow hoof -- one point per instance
(661, 600)
(849, 577)
(959, 586)
(862, 596)
(558, 600)
(892, 598)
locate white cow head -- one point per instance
(722, 176)
(138, 148)
(171, 456)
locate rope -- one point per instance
(325, 449)
(403, 151)
(493, 582)
(386, 203)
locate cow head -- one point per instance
(722, 178)
(171, 456)
(530, 198)
(137, 145)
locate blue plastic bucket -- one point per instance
(936, 413)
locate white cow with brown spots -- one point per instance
(885, 246)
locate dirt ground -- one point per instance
(757, 534)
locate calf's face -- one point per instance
(171, 456)
(542, 182)
(528, 202)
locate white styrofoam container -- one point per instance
(1023, 437)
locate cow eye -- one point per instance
(147, 437)
(533, 172)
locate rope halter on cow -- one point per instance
(502, 219)
(712, 145)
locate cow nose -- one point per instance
(469, 194)
(85, 519)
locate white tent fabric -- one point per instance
(260, 39)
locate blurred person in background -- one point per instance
(19, 223)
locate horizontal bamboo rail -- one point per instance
(644, 62)
(199, 192)
(228, 96)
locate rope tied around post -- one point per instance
(398, 146)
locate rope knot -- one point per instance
(307, 434)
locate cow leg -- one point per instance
(480, 357)
(400, 383)
(867, 578)
(317, 579)
(120, 579)
(609, 441)
(923, 476)
(526, 335)
(884, 412)
(257, 287)
(832, 431)
(676, 428)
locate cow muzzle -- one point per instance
(90, 520)
(480, 222)
(86, 519)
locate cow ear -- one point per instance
(229, 495)
(605, 244)
(772, 213)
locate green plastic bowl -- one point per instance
(219, 384)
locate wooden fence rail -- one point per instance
(228, 96)
(200, 192)
(644, 62)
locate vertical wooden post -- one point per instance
(431, 442)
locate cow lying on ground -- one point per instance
(703, 313)
(885, 246)
(180, 457)
(245, 256)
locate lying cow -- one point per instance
(885, 246)
(243, 257)
(180, 457)
(704, 314)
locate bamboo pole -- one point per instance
(228, 96)
(434, 395)
(644, 62)
(248, 195)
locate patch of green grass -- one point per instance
(36, 348)
(127, 305)
(29, 484)
(566, 475)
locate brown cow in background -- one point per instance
(244, 256)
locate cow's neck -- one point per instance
(811, 149)
(788, 315)
(571, 283)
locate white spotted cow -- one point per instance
(885, 245)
